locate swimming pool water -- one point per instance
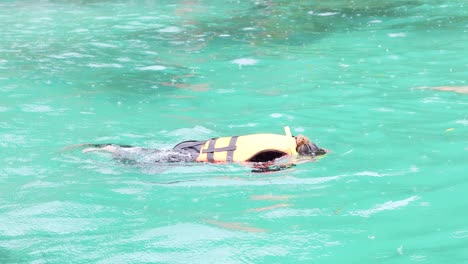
(354, 76)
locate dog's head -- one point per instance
(306, 148)
(310, 150)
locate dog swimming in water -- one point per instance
(260, 150)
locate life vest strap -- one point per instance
(210, 155)
(232, 145)
(229, 149)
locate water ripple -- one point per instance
(390, 205)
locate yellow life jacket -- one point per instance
(244, 148)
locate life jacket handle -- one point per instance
(287, 131)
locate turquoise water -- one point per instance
(154, 73)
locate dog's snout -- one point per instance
(310, 149)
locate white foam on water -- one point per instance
(224, 35)
(2, 61)
(400, 250)
(148, 18)
(108, 138)
(197, 131)
(384, 109)
(431, 100)
(136, 23)
(394, 57)
(127, 190)
(44, 19)
(123, 59)
(460, 234)
(150, 25)
(177, 42)
(171, 29)
(150, 52)
(244, 125)
(462, 122)
(34, 108)
(245, 61)
(390, 205)
(130, 135)
(40, 184)
(316, 182)
(104, 18)
(103, 45)
(327, 14)
(197, 256)
(418, 258)
(280, 213)
(13, 226)
(125, 27)
(299, 129)
(411, 169)
(396, 35)
(79, 30)
(10, 139)
(3, 108)
(225, 91)
(54, 207)
(184, 234)
(105, 65)
(276, 115)
(152, 68)
(103, 170)
(66, 55)
(322, 14)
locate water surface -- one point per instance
(154, 73)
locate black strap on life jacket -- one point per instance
(230, 149)
(190, 144)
